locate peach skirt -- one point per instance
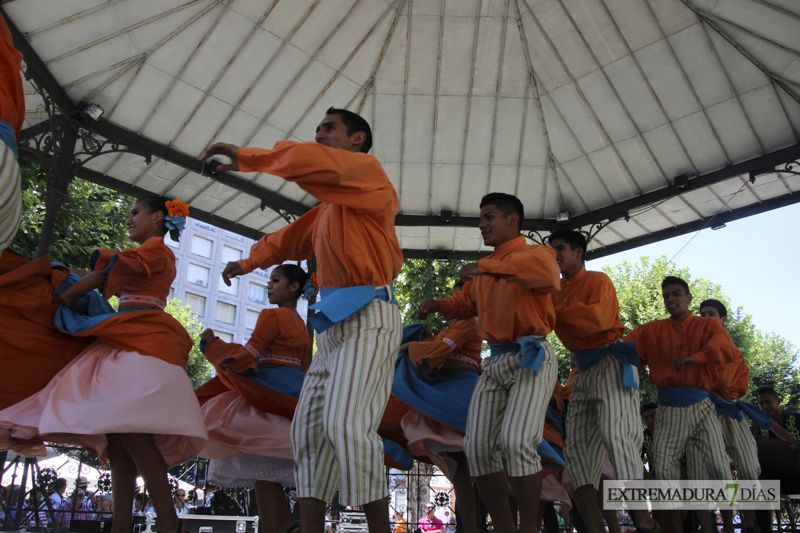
(106, 390)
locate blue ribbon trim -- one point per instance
(339, 303)
(626, 355)
(8, 136)
(759, 417)
(724, 407)
(531, 348)
(680, 396)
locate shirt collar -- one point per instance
(513, 244)
(577, 277)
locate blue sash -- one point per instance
(724, 407)
(90, 309)
(680, 396)
(531, 348)
(398, 453)
(626, 355)
(7, 136)
(339, 303)
(759, 417)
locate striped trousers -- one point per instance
(603, 417)
(506, 415)
(334, 431)
(740, 445)
(10, 196)
(679, 430)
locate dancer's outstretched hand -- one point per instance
(427, 308)
(232, 269)
(682, 362)
(228, 150)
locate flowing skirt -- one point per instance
(106, 390)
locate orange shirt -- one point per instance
(732, 379)
(351, 233)
(458, 339)
(12, 97)
(148, 270)
(662, 341)
(587, 311)
(515, 304)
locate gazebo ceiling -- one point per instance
(634, 120)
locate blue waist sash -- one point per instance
(759, 417)
(680, 396)
(339, 303)
(8, 136)
(530, 347)
(626, 355)
(724, 407)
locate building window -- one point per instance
(250, 319)
(262, 273)
(227, 337)
(226, 312)
(198, 275)
(201, 246)
(233, 289)
(205, 226)
(230, 254)
(257, 293)
(171, 293)
(197, 303)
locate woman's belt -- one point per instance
(128, 299)
(264, 358)
(464, 359)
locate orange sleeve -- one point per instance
(237, 356)
(341, 177)
(292, 242)
(267, 328)
(719, 347)
(459, 305)
(12, 95)
(598, 314)
(145, 260)
(533, 269)
(450, 339)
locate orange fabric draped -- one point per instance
(460, 337)
(12, 97)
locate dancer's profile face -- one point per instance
(333, 132)
(142, 222)
(496, 227)
(280, 290)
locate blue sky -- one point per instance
(756, 260)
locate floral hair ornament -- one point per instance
(308, 289)
(178, 211)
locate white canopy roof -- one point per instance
(650, 114)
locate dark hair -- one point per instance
(354, 123)
(507, 203)
(648, 407)
(59, 484)
(159, 203)
(575, 239)
(459, 284)
(716, 304)
(293, 273)
(674, 280)
(766, 390)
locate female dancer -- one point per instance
(111, 397)
(248, 406)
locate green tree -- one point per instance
(421, 280)
(93, 217)
(772, 359)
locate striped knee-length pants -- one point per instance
(506, 415)
(740, 445)
(347, 386)
(679, 430)
(603, 417)
(10, 196)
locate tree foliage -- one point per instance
(93, 217)
(198, 368)
(421, 280)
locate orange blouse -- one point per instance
(148, 270)
(351, 233)
(458, 341)
(280, 338)
(12, 97)
(514, 303)
(587, 311)
(662, 341)
(732, 379)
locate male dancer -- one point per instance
(731, 384)
(334, 431)
(603, 415)
(676, 349)
(509, 292)
(12, 115)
